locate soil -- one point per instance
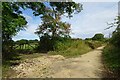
(88, 65)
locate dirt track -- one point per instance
(88, 65)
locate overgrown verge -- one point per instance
(94, 44)
(112, 61)
(74, 47)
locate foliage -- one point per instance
(52, 27)
(51, 24)
(33, 41)
(25, 46)
(74, 47)
(94, 44)
(22, 41)
(70, 48)
(99, 37)
(47, 43)
(13, 21)
(115, 40)
(111, 52)
(88, 39)
(111, 57)
(66, 7)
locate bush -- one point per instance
(111, 57)
(45, 44)
(99, 37)
(71, 48)
(48, 43)
(115, 40)
(94, 44)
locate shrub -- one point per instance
(71, 48)
(94, 44)
(115, 40)
(111, 57)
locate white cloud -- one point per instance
(93, 19)
(86, 24)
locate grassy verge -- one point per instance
(111, 59)
(75, 48)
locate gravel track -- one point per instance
(88, 65)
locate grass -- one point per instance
(30, 56)
(26, 46)
(70, 48)
(111, 58)
(73, 48)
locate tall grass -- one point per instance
(73, 48)
(111, 58)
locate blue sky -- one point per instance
(91, 20)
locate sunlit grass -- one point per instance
(73, 48)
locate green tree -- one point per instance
(88, 38)
(99, 37)
(52, 24)
(115, 39)
(53, 27)
(51, 20)
(13, 21)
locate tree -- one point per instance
(99, 37)
(52, 26)
(33, 41)
(13, 21)
(51, 20)
(115, 39)
(88, 38)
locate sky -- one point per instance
(91, 20)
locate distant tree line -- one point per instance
(98, 37)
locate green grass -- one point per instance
(30, 56)
(27, 46)
(111, 58)
(73, 48)
(94, 44)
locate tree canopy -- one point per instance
(115, 40)
(13, 21)
(98, 36)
